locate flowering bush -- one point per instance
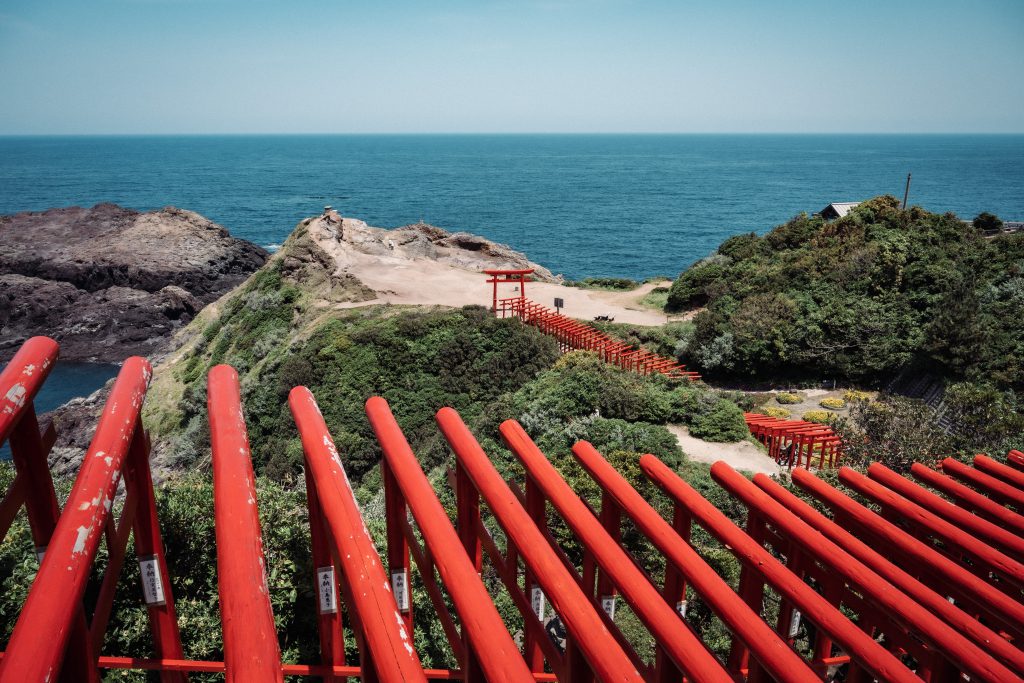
(772, 411)
(832, 403)
(786, 398)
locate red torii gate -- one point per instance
(498, 277)
(794, 442)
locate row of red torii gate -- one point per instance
(792, 443)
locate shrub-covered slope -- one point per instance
(418, 359)
(289, 325)
(860, 297)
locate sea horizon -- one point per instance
(525, 134)
(631, 205)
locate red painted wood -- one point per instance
(582, 622)
(484, 630)
(42, 631)
(387, 642)
(869, 654)
(251, 650)
(982, 635)
(685, 648)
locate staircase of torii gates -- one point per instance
(573, 334)
(792, 443)
(796, 443)
(901, 580)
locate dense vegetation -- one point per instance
(860, 297)
(610, 283)
(899, 431)
(420, 360)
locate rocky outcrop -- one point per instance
(110, 282)
(349, 241)
(306, 264)
(75, 424)
(335, 263)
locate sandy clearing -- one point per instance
(410, 266)
(425, 282)
(741, 455)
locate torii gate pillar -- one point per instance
(520, 277)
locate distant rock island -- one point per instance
(108, 282)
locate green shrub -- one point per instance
(723, 424)
(693, 287)
(613, 283)
(419, 360)
(822, 416)
(787, 398)
(832, 403)
(581, 384)
(656, 298)
(893, 430)
(986, 419)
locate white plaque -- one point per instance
(537, 602)
(794, 623)
(152, 581)
(327, 589)
(608, 605)
(400, 587)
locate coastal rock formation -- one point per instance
(110, 282)
(418, 264)
(75, 424)
(327, 266)
(351, 241)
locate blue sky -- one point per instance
(252, 66)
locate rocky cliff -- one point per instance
(327, 266)
(354, 245)
(109, 282)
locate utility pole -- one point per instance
(906, 193)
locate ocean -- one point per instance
(65, 382)
(583, 205)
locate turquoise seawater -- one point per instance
(583, 205)
(65, 382)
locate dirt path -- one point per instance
(742, 455)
